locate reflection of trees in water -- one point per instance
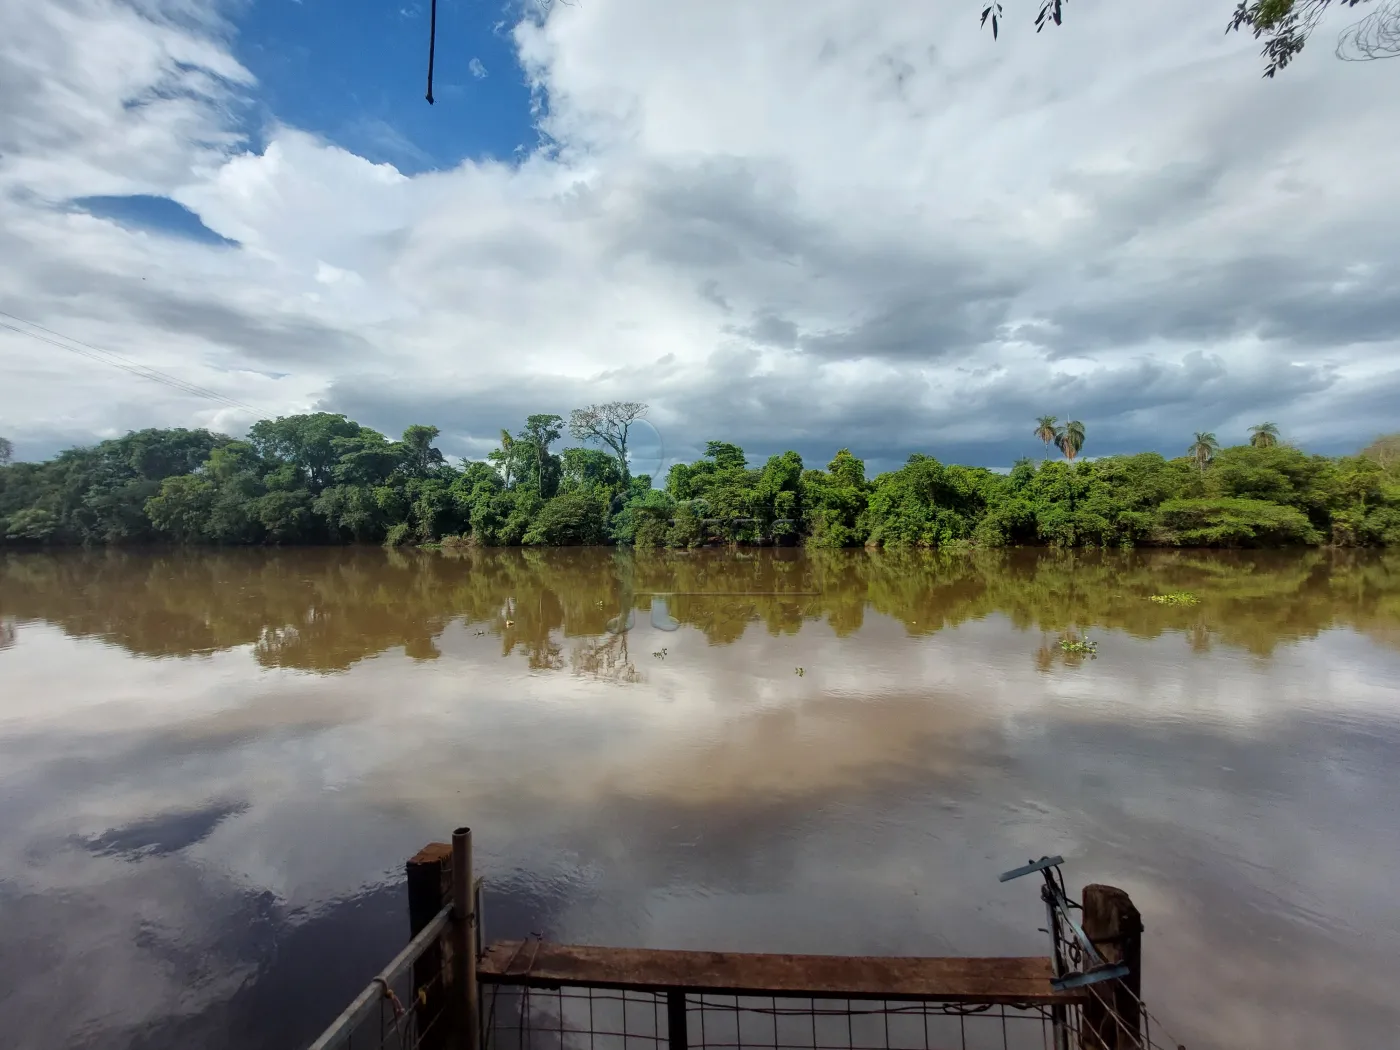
(1198, 637)
(1054, 652)
(326, 608)
(7, 634)
(606, 657)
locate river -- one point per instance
(213, 766)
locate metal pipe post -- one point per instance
(1052, 926)
(464, 938)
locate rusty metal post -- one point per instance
(464, 940)
(1112, 1018)
(429, 888)
(677, 1028)
(1057, 967)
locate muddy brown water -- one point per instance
(214, 764)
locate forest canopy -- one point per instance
(322, 478)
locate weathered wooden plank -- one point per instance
(968, 980)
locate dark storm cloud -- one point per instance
(40, 444)
(735, 222)
(1138, 320)
(475, 414)
(932, 303)
(1121, 207)
(764, 415)
(268, 339)
(918, 325)
(718, 213)
(1133, 406)
(1301, 304)
(1139, 405)
(770, 330)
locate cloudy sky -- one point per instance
(796, 225)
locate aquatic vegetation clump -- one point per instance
(1080, 647)
(1175, 598)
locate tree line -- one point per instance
(321, 478)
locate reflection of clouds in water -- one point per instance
(162, 834)
(865, 806)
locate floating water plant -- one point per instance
(1175, 598)
(1080, 647)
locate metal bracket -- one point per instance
(1057, 908)
(1078, 980)
(1036, 865)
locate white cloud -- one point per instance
(823, 225)
(477, 69)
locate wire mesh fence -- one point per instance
(577, 1018)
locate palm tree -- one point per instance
(1203, 449)
(1046, 431)
(1263, 435)
(1070, 439)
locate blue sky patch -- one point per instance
(155, 214)
(355, 72)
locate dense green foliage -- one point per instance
(322, 478)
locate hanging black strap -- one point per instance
(432, 48)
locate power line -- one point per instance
(120, 361)
(141, 371)
(116, 360)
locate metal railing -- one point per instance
(390, 1012)
(445, 989)
(413, 1002)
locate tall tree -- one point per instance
(725, 455)
(610, 423)
(1263, 435)
(1070, 439)
(7, 451)
(419, 456)
(1203, 449)
(307, 441)
(1046, 431)
(1283, 25)
(504, 457)
(1385, 450)
(542, 430)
